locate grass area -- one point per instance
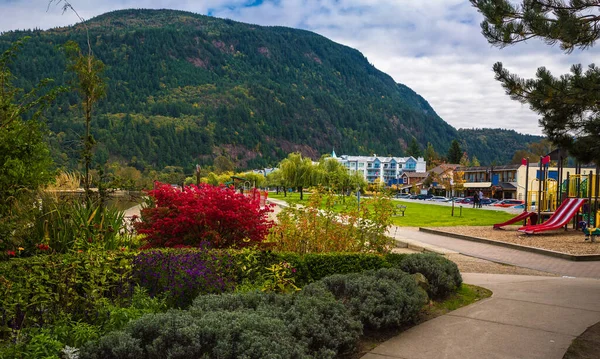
(428, 215)
(432, 215)
(467, 294)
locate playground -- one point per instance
(561, 214)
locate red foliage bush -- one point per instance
(206, 214)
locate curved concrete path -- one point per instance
(526, 317)
(499, 254)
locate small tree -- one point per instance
(91, 86)
(431, 157)
(297, 171)
(414, 149)
(454, 152)
(464, 160)
(276, 179)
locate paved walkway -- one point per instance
(500, 254)
(526, 317)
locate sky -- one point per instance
(434, 47)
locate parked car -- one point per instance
(487, 201)
(402, 195)
(464, 200)
(508, 203)
(438, 199)
(413, 196)
(424, 196)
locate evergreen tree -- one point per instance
(454, 152)
(430, 154)
(414, 149)
(569, 104)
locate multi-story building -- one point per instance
(387, 170)
(507, 181)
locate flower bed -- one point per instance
(56, 300)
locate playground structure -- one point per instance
(563, 214)
(560, 200)
(532, 216)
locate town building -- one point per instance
(387, 170)
(508, 181)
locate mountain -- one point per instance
(494, 145)
(183, 88)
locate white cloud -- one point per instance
(434, 46)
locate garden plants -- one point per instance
(202, 214)
(319, 227)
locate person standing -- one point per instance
(475, 199)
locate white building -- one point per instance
(388, 170)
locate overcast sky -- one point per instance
(433, 46)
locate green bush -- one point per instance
(237, 325)
(48, 341)
(36, 291)
(177, 334)
(324, 324)
(251, 266)
(442, 274)
(326, 264)
(386, 298)
(321, 322)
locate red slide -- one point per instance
(521, 217)
(567, 210)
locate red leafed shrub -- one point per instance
(206, 214)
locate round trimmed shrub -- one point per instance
(179, 335)
(322, 323)
(442, 274)
(386, 298)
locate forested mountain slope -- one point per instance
(183, 88)
(493, 145)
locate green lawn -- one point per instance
(430, 215)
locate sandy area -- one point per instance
(570, 241)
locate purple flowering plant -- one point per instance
(183, 274)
